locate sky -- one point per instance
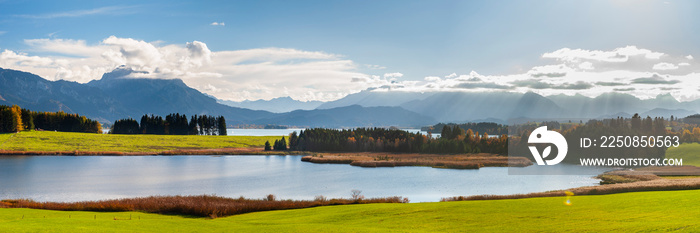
(324, 50)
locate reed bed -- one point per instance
(202, 205)
(463, 161)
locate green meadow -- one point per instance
(626, 212)
(689, 152)
(62, 141)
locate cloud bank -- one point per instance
(640, 72)
(265, 73)
(261, 73)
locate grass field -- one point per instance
(61, 141)
(627, 212)
(689, 152)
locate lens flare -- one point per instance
(568, 198)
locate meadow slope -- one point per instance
(689, 152)
(626, 212)
(62, 141)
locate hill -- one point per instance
(164, 96)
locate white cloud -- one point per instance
(199, 53)
(640, 72)
(616, 55)
(236, 75)
(393, 75)
(109, 10)
(265, 73)
(375, 67)
(665, 66)
(432, 79)
(586, 65)
(218, 24)
(549, 71)
(10, 57)
(689, 57)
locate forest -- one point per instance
(484, 127)
(15, 119)
(455, 141)
(172, 124)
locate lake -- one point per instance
(285, 132)
(80, 178)
(282, 132)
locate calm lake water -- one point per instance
(79, 178)
(279, 132)
(285, 132)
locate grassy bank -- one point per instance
(60, 141)
(689, 152)
(628, 212)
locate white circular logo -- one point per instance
(542, 135)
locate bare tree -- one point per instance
(356, 194)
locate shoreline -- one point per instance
(218, 151)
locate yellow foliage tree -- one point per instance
(17, 118)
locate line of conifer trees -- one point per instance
(484, 127)
(15, 119)
(278, 145)
(396, 140)
(173, 124)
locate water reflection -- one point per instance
(71, 178)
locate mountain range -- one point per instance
(459, 107)
(116, 96)
(276, 105)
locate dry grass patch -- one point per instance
(203, 205)
(384, 159)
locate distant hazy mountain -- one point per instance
(461, 107)
(500, 106)
(608, 103)
(662, 112)
(277, 105)
(375, 98)
(350, 116)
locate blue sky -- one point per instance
(411, 41)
